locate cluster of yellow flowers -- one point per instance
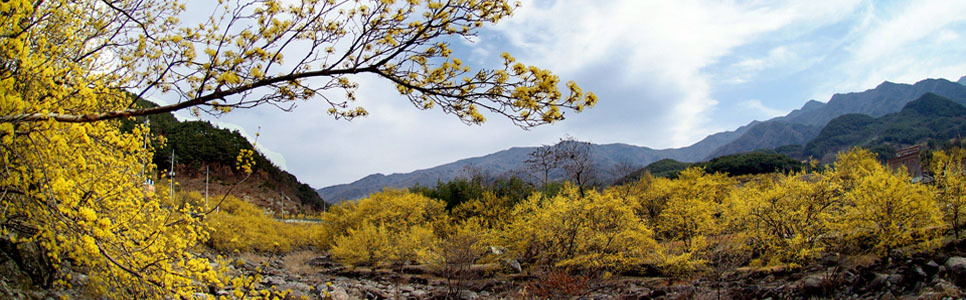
(240, 226)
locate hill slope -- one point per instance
(930, 117)
(197, 146)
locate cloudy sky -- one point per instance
(668, 73)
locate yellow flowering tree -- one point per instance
(883, 209)
(388, 227)
(237, 58)
(593, 231)
(786, 216)
(949, 169)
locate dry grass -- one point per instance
(297, 262)
(855, 261)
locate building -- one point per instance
(908, 157)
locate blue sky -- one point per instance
(668, 73)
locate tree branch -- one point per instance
(93, 117)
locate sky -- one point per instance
(667, 73)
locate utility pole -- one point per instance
(206, 186)
(171, 177)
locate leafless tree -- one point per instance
(574, 159)
(543, 160)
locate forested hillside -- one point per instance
(750, 163)
(930, 118)
(198, 145)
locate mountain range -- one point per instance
(798, 127)
(928, 118)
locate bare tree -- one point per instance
(457, 253)
(543, 160)
(621, 170)
(724, 255)
(625, 188)
(574, 159)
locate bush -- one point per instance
(389, 227)
(239, 225)
(596, 231)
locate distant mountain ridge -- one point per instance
(796, 128)
(506, 162)
(930, 117)
(803, 125)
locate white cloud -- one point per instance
(670, 42)
(947, 36)
(907, 24)
(906, 42)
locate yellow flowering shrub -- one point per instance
(239, 225)
(786, 216)
(596, 231)
(693, 208)
(884, 210)
(388, 227)
(949, 170)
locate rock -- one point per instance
(497, 250)
(931, 268)
(913, 276)
(956, 265)
(894, 280)
(273, 280)
(888, 296)
(878, 282)
(468, 295)
(513, 264)
(277, 264)
(812, 285)
(407, 288)
(338, 293)
(418, 294)
(295, 285)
